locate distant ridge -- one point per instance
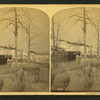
(38, 53)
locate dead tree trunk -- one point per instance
(84, 35)
(28, 30)
(96, 26)
(98, 45)
(54, 45)
(16, 36)
(58, 29)
(53, 35)
(57, 44)
(98, 37)
(29, 48)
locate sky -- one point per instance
(71, 30)
(39, 26)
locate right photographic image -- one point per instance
(75, 50)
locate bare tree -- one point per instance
(98, 34)
(55, 37)
(58, 35)
(13, 20)
(95, 23)
(28, 27)
(53, 33)
(54, 43)
(16, 33)
(85, 19)
(16, 21)
(84, 32)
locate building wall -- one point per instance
(9, 52)
(70, 47)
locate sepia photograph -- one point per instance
(49, 49)
(75, 50)
(24, 50)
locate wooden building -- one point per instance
(3, 58)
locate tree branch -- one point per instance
(7, 19)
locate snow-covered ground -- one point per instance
(30, 78)
(78, 76)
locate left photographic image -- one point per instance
(24, 50)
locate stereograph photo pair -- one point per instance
(50, 48)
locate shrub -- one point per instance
(61, 81)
